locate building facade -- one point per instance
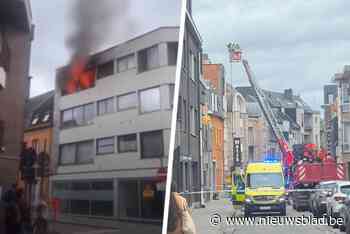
(38, 134)
(330, 93)
(236, 126)
(187, 158)
(111, 138)
(343, 112)
(215, 75)
(16, 35)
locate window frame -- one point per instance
(84, 119)
(104, 138)
(104, 64)
(140, 100)
(161, 144)
(127, 58)
(127, 151)
(130, 107)
(75, 153)
(105, 106)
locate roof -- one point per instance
(253, 109)
(38, 107)
(276, 99)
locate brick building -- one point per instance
(16, 34)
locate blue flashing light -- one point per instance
(271, 158)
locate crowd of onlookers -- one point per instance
(16, 215)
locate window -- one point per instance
(67, 154)
(105, 145)
(106, 69)
(35, 120)
(346, 133)
(35, 145)
(192, 66)
(76, 153)
(126, 63)
(172, 53)
(2, 132)
(152, 144)
(127, 143)
(171, 95)
(192, 121)
(76, 116)
(105, 106)
(148, 58)
(127, 101)
(84, 152)
(81, 207)
(345, 93)
(150, 100)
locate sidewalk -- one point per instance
(94, 228)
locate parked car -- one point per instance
(318, 200)
(336, 199)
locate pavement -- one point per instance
(119, 228)
(223, 207)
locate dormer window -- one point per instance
(46, 117)
(35, 120)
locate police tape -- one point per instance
(230, 191)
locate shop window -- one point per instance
(105, 106)
(172, 53)
(102, 208)
(127, 143)
(81, 207)
(80, 186)
(148, 59)
(106, 69)
(105, 145)
(150, 100)
(127, 101)
(152, 144)
(126, 63)
(102, 185)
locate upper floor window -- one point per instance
(345, 93)
(148, 59)
(105, 69)
(192, 121)
(152, 144)
(172, 53)
(126, 63)
(127, 143)
(126, 101)
(76, 116)
(150, 100)
(76, 153)
(105, 145)
(105, 106)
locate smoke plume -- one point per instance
(93, 22)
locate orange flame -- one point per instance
(81, 78)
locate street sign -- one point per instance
(237, 154)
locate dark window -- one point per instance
(152, 144)
(148, 59)
(2, 133)
(102, 208)
(106, 69)
(127, 143)
(102, 185)
(172, 53)
(80, 186)
(84, 152)
(105, 106)
(81, 207)
(105, 145)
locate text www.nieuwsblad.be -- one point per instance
(217, 219)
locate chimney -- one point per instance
(288, 93)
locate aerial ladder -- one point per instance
(287, 153)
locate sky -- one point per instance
(289, 44)
(54, 24)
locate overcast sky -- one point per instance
(289, 44)
(53, 24)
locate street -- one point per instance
(224, 208)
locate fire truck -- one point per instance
(301, 173)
